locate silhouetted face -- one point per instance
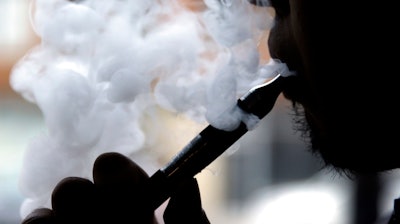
(344, 104)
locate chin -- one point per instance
(343, 150)
(353, 155)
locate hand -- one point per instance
(115, 197)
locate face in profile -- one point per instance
(339, 109)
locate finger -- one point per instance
(119, 181)
(74, 200)
(185, 205)
(116, 170)
(40, 216)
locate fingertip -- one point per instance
(40, 216)
(74, 199)
(120, 181)
(115, 168)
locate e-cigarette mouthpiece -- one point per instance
(210, 143)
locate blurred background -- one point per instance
(19, 120)
(267, 177)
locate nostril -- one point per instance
(281, 7)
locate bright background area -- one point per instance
(270, 178)
(19, 120)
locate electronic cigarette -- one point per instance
(210, 143)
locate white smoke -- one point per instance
(104, 69)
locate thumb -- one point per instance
(185, 205)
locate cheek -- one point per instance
(279, 40)
(283, 46)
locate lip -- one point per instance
(285, 55)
